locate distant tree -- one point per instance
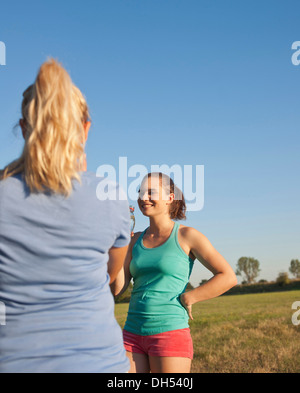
(203, 282)
(125, 297)
(295, 268)
(283, 279)
(249, 267)
(262, 281)
(189, 287)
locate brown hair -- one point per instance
(178, 207)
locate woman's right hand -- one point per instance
(186, 306)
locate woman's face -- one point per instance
(153, 199)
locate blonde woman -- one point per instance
(60, 246)
(160, 260)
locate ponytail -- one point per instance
(54, 112)
(178, 207)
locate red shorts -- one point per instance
(176, 343)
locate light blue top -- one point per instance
(54, 281)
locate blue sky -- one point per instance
(180, 82)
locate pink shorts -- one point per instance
(176, 343)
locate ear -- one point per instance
(87, 127)
(23, 128)
(171, 198)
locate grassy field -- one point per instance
(243, 333)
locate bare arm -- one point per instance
(224, 277)
(122, 281)
(116, 261)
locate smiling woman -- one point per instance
(160, 260)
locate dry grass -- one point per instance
(244, 334)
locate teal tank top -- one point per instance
(160, 276)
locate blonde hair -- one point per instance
(54, 112)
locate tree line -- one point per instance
(247, 267)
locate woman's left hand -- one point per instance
(186, 306)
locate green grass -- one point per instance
(243, 333)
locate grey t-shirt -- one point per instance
(54, 281)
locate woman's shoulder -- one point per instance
(187, 231)
(135, 238)
(190, 234)
(13, 178)
(13, 183)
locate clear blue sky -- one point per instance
(187, 82)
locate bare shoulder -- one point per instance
(194, 239)
(198, 243)
(135, 238)
(190, 240)
(191, 234)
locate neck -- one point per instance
(160, 225)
